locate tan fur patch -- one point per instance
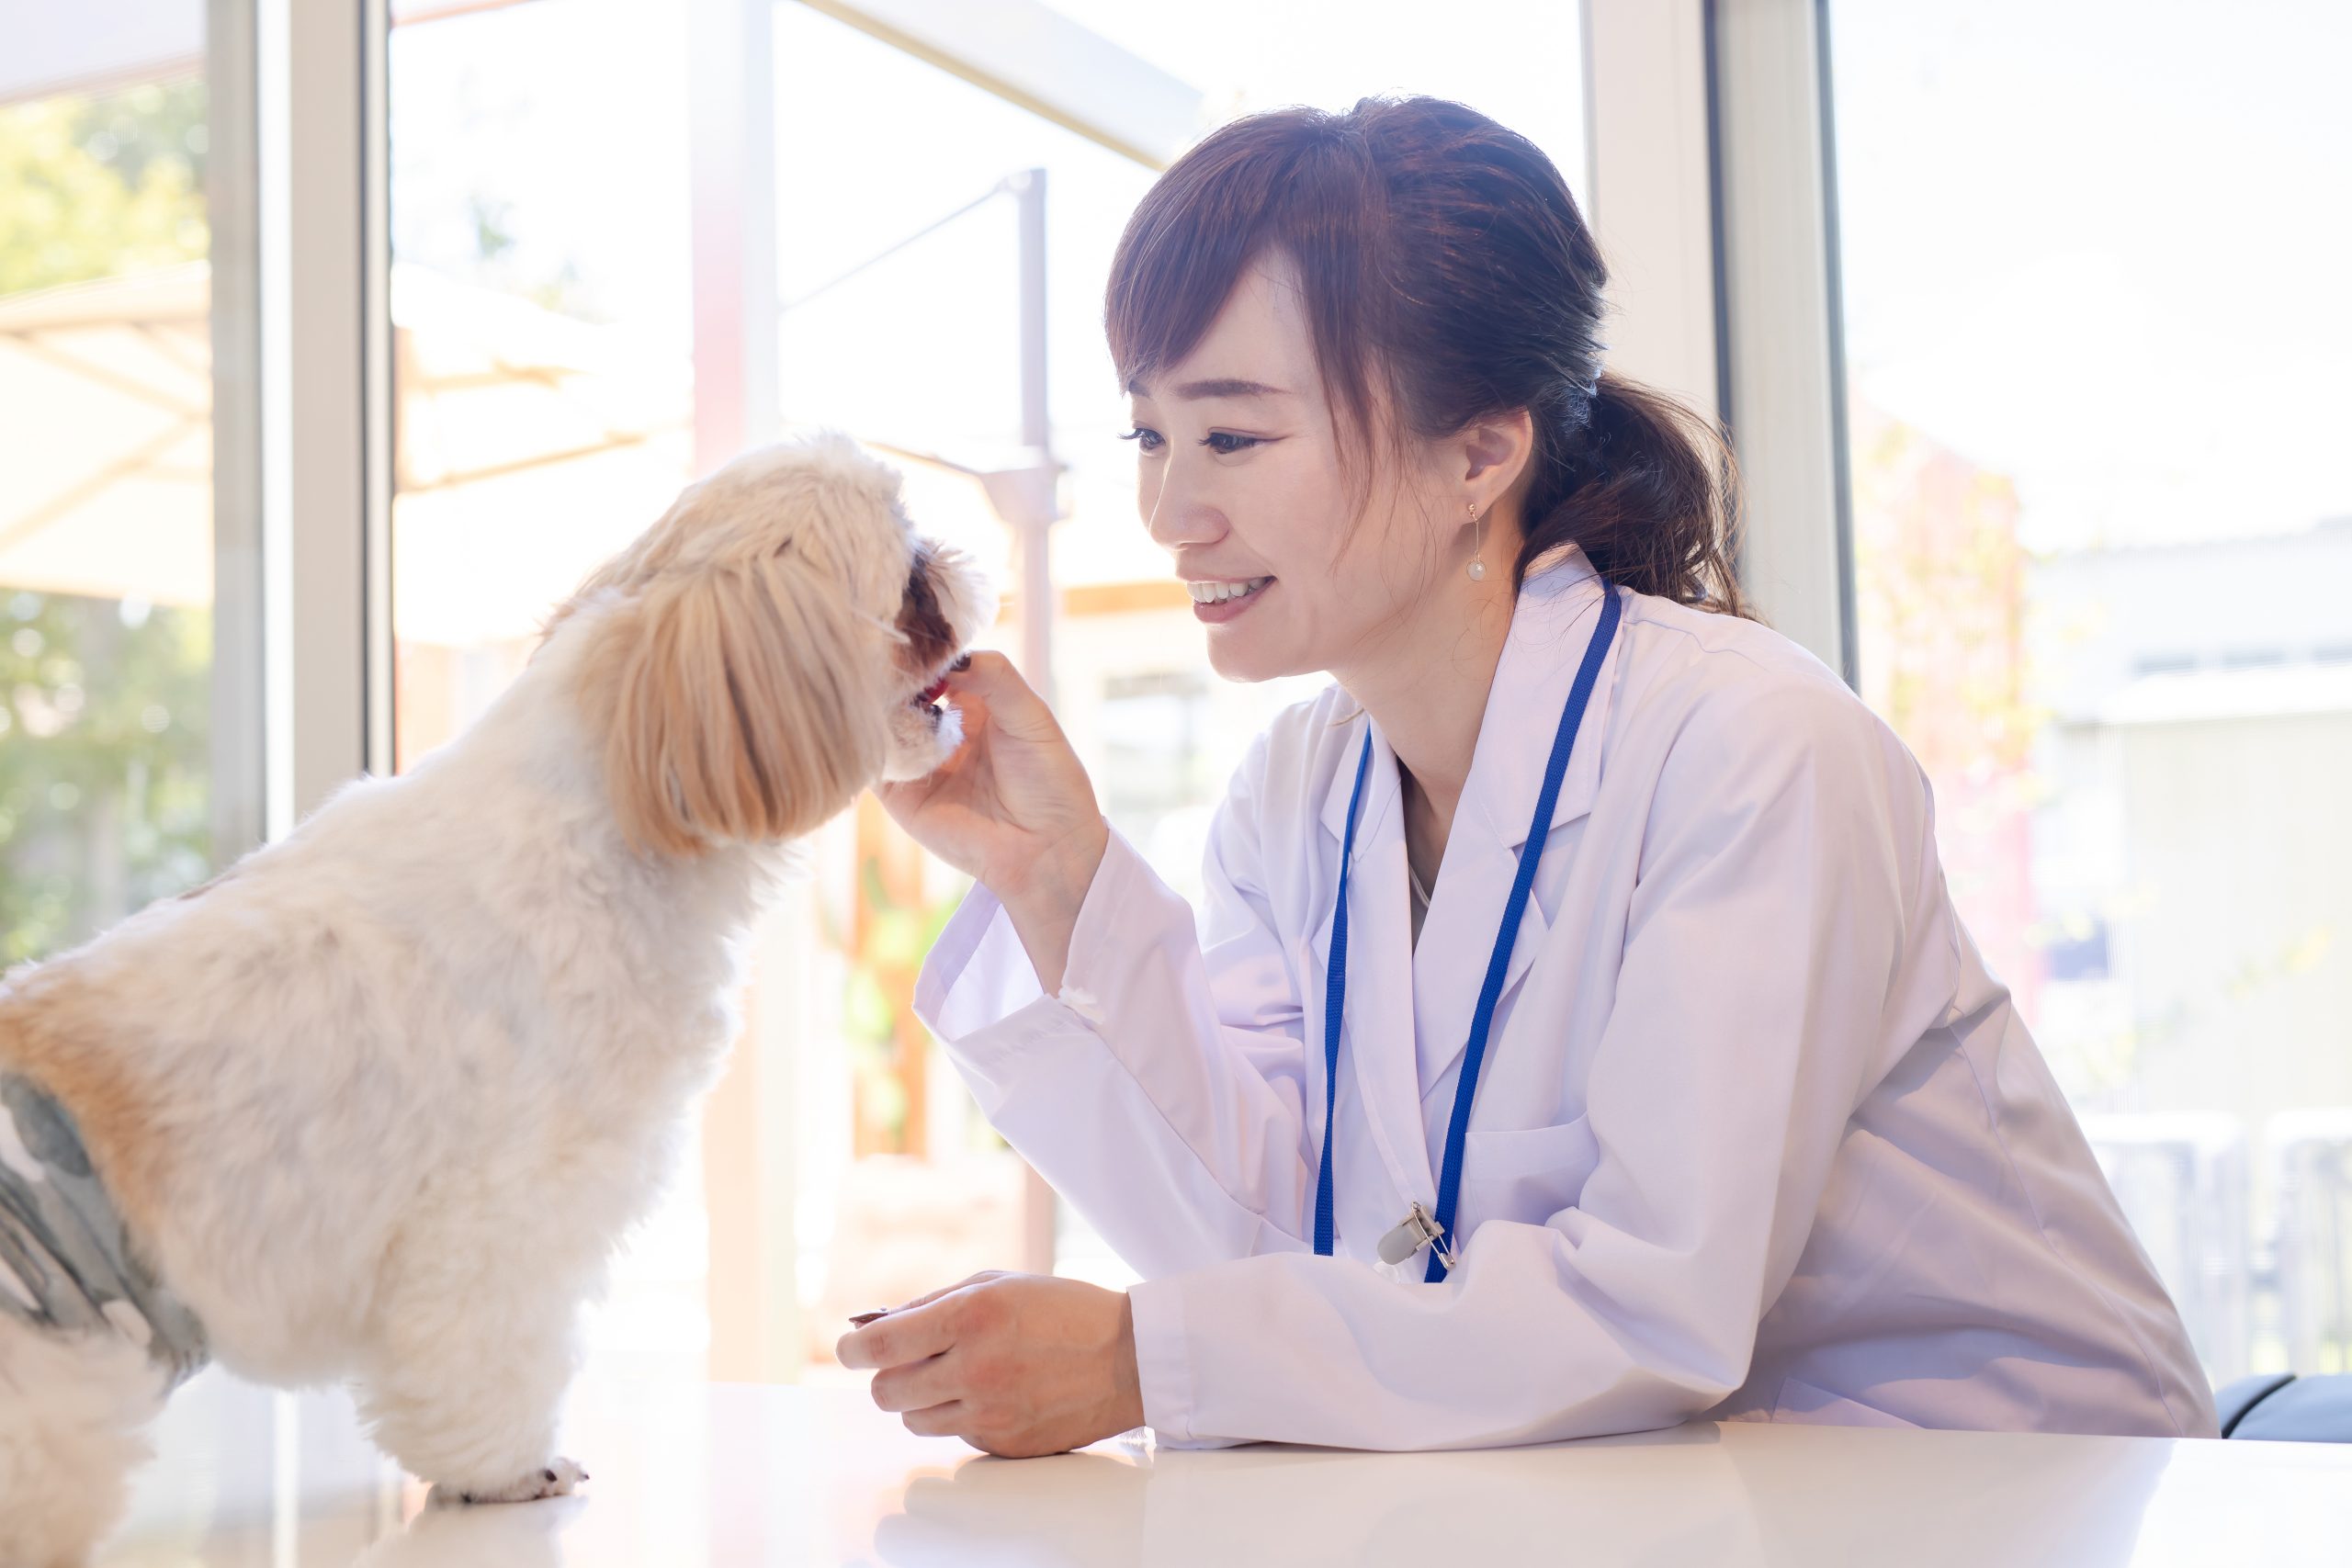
(738, 705)
(54, 1031)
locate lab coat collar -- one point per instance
(1555, 618)
(1550, 624)
(1559, 610)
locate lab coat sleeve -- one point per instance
(1161, 1090)
(1783, 873)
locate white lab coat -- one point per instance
(1758, 1136)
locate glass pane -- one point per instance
(2099, 371)
(543, 406)
(105, 493)
(545, 331)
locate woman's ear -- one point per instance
(1495, 450)
(747, 705)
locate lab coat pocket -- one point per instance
(1527, 1174)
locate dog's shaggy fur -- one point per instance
(378, 1102)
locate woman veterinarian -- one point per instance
(1579, 1037)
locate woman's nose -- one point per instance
(1176, 513)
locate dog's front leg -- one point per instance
(466, 1388)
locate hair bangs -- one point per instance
(1299, 184)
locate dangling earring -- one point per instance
(1477, 568)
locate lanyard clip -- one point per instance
(1418, 1230)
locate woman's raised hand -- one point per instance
(1013, 807)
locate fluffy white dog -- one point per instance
(378, 1102)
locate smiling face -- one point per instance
(1241, 476)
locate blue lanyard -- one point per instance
(1474, 1054)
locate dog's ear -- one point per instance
(745, 707)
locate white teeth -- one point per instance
(1218, 593)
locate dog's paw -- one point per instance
(557, 1478)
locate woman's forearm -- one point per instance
(1043, 906)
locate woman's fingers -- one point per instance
(919, 1385)
(911, 1333)
(905, 799)
(939, 1421)
(974, 705)
(955, 783)
(1017, 710)
(1013, 794)
(930, 1296)
(983, 669)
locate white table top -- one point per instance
(686, 1474)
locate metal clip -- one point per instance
(1418, 1231)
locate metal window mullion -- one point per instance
(377, 407)
(1714, 209)
(750, 1168)
(322, 387)
(231, 175)
(1777, 249)
(1647, 137)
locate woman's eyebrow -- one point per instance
(1224, 387)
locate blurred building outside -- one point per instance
(2088, 718)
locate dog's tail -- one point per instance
(73, 1412)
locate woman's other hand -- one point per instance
(1016, 1365)
(1013, 807)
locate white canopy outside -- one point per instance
(527, 447)
(106, 463)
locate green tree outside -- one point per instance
(105, 705)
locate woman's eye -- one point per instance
(1147, 440)
(1240, 443)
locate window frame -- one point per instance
(304, 472)
(1722, 108)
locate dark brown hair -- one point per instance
(1443, 255)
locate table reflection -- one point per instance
(687, 1473)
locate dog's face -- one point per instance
(944, 607)
(771, 646)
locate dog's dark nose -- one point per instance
(963, 662)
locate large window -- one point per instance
(107, 711)
(578, 335)
(2099, 371)
(131, 671)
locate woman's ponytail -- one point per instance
(1646, 485)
